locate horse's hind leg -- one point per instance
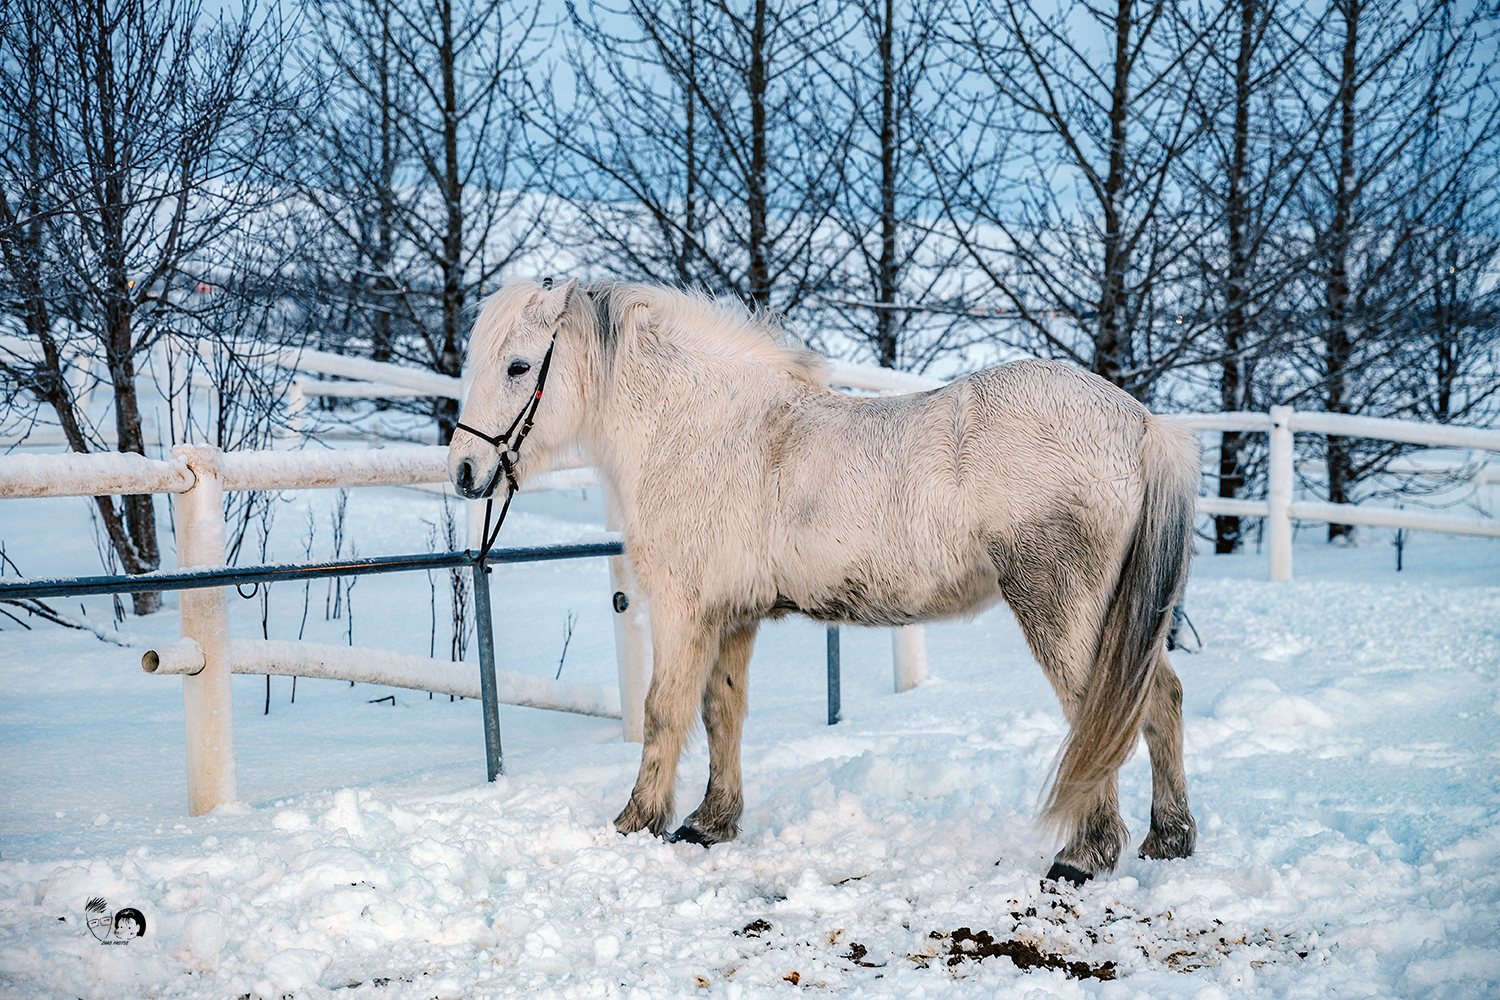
(725, 699)
(682, 656)
(1094, 845)
(1061, 609)
(1173, 831)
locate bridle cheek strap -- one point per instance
(510, 450)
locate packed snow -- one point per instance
(1340, 745)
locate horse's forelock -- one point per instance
(503, 311)
(497, 317)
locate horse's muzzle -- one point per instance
(467, 483)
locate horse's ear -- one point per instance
(554, 302)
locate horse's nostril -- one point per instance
(465, 480)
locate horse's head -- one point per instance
(509, 362)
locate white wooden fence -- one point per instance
(198, 477)
(1280, 510)
(1280, 424)
(908, 645)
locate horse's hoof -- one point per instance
(1060, 872)
(1165, 848)
(633, 819)
(688, 835)
(1167, 841)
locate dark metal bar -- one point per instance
(494, 757)
(227, 576)
(833, 675)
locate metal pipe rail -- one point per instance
(233, 576)
(200, 578)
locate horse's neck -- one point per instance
(649, 403)
(621, 425)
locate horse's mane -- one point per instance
(690, 320)
(698, 322)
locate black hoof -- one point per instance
(1060, 872)
(688, 835)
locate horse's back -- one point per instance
(888, 510)
(1023, 438)
(906, 508)
(1054, 406)
(1062, 458)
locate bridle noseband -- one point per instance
(510, 450)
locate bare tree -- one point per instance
(412, 162)
(132, 130)
(346, 163)
(1449, 340)
(697, 149)
(1446, 337)
(894, 79)
(1403, 183)
(1076, 218)
(1256, 149)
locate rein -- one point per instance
(510, 452)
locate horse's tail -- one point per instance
(1106, 725)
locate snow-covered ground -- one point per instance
(1340, 746)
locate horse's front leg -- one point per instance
(682, 655)
(725, 699)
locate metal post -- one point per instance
(909, 656)
(1279, 493)
(494, 757)
(207, 697)
(833, 675)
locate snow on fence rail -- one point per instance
(376, 379)
(287, 658)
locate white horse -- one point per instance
(747, 489)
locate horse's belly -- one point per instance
(885, 596)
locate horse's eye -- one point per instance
(517, 369)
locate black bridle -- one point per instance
(510, 451)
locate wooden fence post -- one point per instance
(1279, 493)
(632, 636)
(207, 697)
(909, 656)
